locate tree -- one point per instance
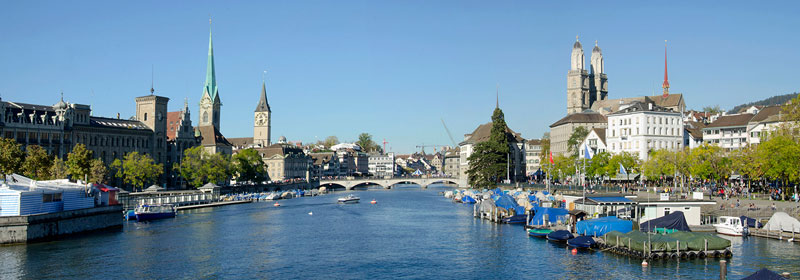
(748, 163)
(139, 170)
(98, 171)
(37, 163)
(707, 162)
(628, 160)
(330, 141)
(782, 158)
(544, 157)
(249, 166)
(366, 143)
(597, 166)
(563, 166)
(79, 162)
(199, 167)
(712, 109)
(578, 135)
(489, 159)
(660, 164)
(58, 170)
(11, 156)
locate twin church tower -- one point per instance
(585, 87)
(210, 105)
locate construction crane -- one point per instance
(384, 145)
(449, 134)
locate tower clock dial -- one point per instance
(261, 119)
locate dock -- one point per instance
(774, 234)
(212, 204)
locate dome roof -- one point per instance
(61, 105)
(282, 139)
(596, 49)
(577, 45)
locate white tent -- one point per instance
(783, 222)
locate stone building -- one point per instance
(180, 136)
(262, 120)
(585, 87)
(285, 161)
(451, 162)
(208, 126)
(326, 164)
(561, 130)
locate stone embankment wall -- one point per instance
(22, 229)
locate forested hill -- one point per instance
(775, 100)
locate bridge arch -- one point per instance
(334, 186)
(366, 185)
(442, 181)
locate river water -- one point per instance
(409, 233)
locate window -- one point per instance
(205, 117)
(666, 211)
(145, 116)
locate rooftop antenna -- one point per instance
(152, 78)
(497, 92)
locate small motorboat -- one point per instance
(560, 236)
(153, 212)
(349, 199)
(539, 232)
(273, 196)
(516, 219)
(729, 226)
(582, 242)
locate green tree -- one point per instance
(217, 168)
(563, 166)
(575, 139)
(249, 166)
(58, 170)
(139, 170)
(98, 171)
(199, 167)
(79, 162)
(708, 163)
(660, 164)
(712, 109)
(748, 163)
(366, 143)
(11, 156)
(37, 163)
(782, 158)
(330, 141)
(488, 161)
(544, 157)
(597, 166)
(630, 161)
(115, 171)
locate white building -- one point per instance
(693, 134)
(642, 127)
(728, 132)
(595, 141)
(765, 120)
(382, 165)
(533, 153)
(692, 209)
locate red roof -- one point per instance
(173, 124)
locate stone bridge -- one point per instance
(385, 183)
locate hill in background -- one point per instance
(775, 100)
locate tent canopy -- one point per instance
(674, 220)
(783, 222)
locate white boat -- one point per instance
(729, 226)
(273, 196)
(349, 199)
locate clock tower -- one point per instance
(210, 103)
(262, 120)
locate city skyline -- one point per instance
(341, 77)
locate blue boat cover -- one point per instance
(507, 202)
(581, 242)
(674, 220)
(467, 199)
(560, 235)
(750, 222)
(554, 215)
(601, 226)
(764, 274)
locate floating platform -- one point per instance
(674, 254)
(774, 234)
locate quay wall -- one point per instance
(23, 229)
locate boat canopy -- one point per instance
(554, 215)
(750, 222)
(560, 235)
(674, 220)
(783, 222)
(764, 274)
(468, 199)
(581, 241)
(601, 226)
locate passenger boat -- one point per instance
(154, 212)
(539, 232)
(349, 199)
(729, 226)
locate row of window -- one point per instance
(650, 131)
(654, 144)
(649, 120)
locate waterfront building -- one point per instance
(325, 164)
(22, 196)
(285, 161)
(382, 165)
(561, 130)
(208, 126)
(482, 133)
(180, 136)
(533, 152)
(595, 141)
(766, 119)
(728, 132)
(640, 128)
(691, 208)
(452, 160)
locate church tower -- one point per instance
(210, 103)
(598, 80)
(262, 127)
(578, 97)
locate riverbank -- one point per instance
(50, 226)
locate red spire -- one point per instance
(666, 80)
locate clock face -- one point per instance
(261, 119)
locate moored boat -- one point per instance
(349, 199)
(582, 242)
(559, 236)
(154, 212)
(539, 232)
(729, 226)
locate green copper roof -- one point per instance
(211, 78)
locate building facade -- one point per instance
(262, 120)
(561, 130)
(640, 128)
(728, 132)
(452, 160)
(285, 161)
(208, 126)
(585, 87)
(382, 165)
(533, 153)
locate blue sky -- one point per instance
(390, 68)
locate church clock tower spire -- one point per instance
(210, 102)
(262, 120)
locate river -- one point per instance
(409, 233)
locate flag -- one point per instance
(551, 157)
(586, 153)
(622, 169)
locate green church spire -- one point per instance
(211, 79)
